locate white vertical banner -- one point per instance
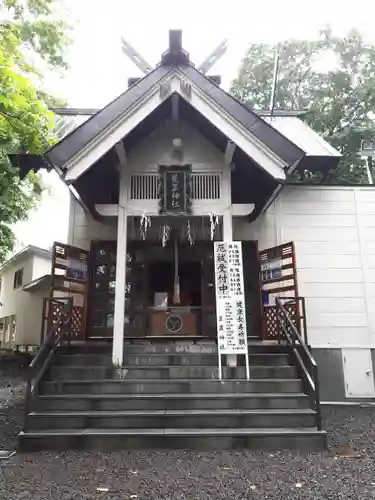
(230, 300)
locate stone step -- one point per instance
(176, 347)
(206, 439)
(115, 402)
(168, 372)
(142, 386)
(177, 419)
(258, 359)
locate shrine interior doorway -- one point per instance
(158, 306)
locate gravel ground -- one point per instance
(12, 390)
(181, 475)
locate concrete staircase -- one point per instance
(168, 396)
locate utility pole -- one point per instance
(368, 151)
(369, 165)
(274, 82)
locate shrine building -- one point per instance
(179, 195)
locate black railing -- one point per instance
(291, 319)
(59, 330)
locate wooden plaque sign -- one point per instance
(174, 191)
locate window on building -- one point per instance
(18, 278)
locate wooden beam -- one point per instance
(75, 111)
(215, 78)
(121, 153)
(136, 57)
(242, 209)
(107, 210)
(175, 41)
(212, 58)
(111, 210)
(229, 152)
(175, 107)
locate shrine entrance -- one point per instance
(170, 290)
(164, 297)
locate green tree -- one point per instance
(30, 37)
(34, 26)
(331, 78)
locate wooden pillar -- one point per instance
(227, 199)
(228, 225)
(119, 313)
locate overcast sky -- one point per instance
(99, 70)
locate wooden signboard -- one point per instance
(230, 300)
(278, 278)
(69, 279)
(174, 191)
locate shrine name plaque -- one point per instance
(174, 192)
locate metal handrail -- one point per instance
(288, 331)
(41, 361)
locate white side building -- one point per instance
(24, 284)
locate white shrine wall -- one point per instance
(333, 229)
(83, 228)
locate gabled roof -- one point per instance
(276, 142)
(302, 135)
(319, 154)
(87, 154)
(72, 143)
(85, 133)
(29, 250)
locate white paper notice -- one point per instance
(230, 298)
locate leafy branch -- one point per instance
(339, 99)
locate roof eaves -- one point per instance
(32, 249)
(37, 281)
(278, 112)
(78, 138)
(274, 140)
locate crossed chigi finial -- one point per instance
(174, 52)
